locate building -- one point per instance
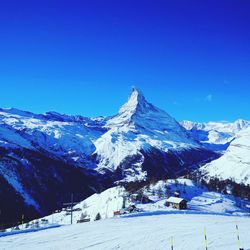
(176, 202)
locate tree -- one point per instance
(2, 229)
(84, 205)
(176, 182)
(124, 201)
(148, 188)
(153, 192)
(83, 216)
(98, 217)
(159, 193)
(37, 225)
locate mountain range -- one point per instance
(46, 157)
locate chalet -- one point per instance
(117, 213)
(176, 202)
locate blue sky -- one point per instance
(190, 58)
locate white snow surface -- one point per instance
(143, 232)
(104, 203)
(235, 163)
(216, 132)
(150, 229)
(64, 138)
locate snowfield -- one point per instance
(143, 232)
(235, 163)
(215, 132)
(150, 228)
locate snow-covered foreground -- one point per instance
(200, 200)
(142, 232)
(151, 228)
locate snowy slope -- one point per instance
(43, 158)
(143, 232)
(235, 163)
(217, 133)
(137, 129)
(63, 136)
(200, 201)
(104, 203)
(151, 228)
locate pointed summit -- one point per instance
(138, 113)
(136, 102)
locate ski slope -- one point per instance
(142, 232)
(149, 229)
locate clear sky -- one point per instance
(190, 58)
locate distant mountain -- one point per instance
(215, 135)
(235, 163)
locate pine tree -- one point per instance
(37, 225)
(98, 217)
(159, 193)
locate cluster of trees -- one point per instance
(139, 188)
(133, 187)
(227, 187)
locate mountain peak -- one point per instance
(138, 112)
(136, 103)
(136, 92)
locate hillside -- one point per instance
(143, 232)
(150, 227)
(235, 163)
(200, 201)
(216, 135)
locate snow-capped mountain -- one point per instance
(66, 137)
(235, 163)
(45, 157)
(143, 140)
(215, 135)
